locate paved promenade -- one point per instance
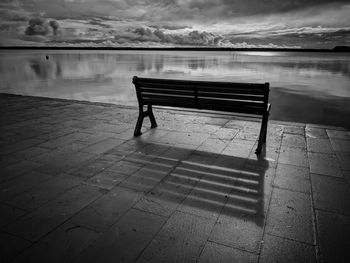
(76, 186)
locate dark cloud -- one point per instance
(40, 26)
(55, 26)
(193, 38)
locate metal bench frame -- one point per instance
(247, 98)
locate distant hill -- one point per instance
(341, 48)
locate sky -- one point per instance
(176, 23)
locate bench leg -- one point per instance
(137, 131)
(151, 117)
(262, 134)
(142, 115)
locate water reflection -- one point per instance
(318, 83)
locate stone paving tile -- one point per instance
(340, 145)
(319, 145)
(201, 158)
(6, 160)
(213, 146)
(276, 249)
(319, 133)
(290, 216)
(92, 167)
(249, 134)
(105, 211)
(192, 138)
(294, 130)
(181, 239)
(293, 140)
(252, 192)
(160, 201)
(346, 175)
(209, 196)
(44, 192)
(338, 134)
(103, 146)
(294, 178)
(144, 179)
(344, 160)
(9, 214)
(125, 240)
(125, 167)
(10, 246)
(325, 164)
(20, 145)
(29, 153)
(293, 156)
(153, 150)
(35, 225)
(321, 126)
(331, 194)
(21, 184)
(64, 162)
(224, 134)
(17, 169)
(241, 232)
(236, 124)
(62, 245)
(124, 149)
(169, 193)
(239, 148)
(54, 134)
(107, 179)
(213, 252)
(63, 140)
(197, 128)
(333, 234)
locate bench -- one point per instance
(247, 98)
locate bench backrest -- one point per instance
(224, 96)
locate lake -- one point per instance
(305, 87)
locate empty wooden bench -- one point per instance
(247, 98)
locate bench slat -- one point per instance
(167, 97)
(167, 91)
(251, 97)
(144, 81)
(237, 109)
(172, 103)
(231, 103)
(143, 85)
(232, 90)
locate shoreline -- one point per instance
(174, 49)
(184, 111)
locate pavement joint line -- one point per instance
(329, 176)
(232, 247)
(314, 220)
(268, 205)
(151, 239)
(332, 212)
(291, 239)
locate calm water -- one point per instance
(305, 87)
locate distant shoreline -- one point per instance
(335, 50)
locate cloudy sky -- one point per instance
(168, 23)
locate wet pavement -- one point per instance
(76, 186)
